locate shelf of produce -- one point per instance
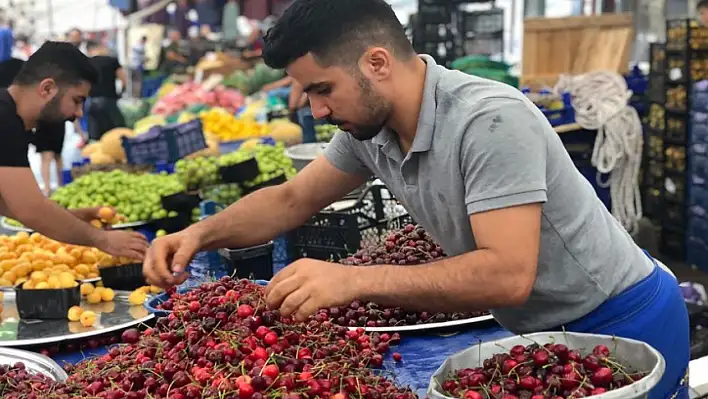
(113, 316)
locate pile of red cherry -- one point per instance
(411, 245)
(221, 342)
(551, 371)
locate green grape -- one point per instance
(138, 197)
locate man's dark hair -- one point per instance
(60, 61)
(92, 44)
(74, 30)
(335, 32)
(702, 4)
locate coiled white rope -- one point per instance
(601, 102)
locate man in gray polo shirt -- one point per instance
(475, 163)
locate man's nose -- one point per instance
(319, 109)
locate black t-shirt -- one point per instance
(13, 136)
(107, 67)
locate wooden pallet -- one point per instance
(575, 45)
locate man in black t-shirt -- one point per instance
(102, 111)
(50, 88)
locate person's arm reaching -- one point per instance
(24, 201)
(504, 170)
(122, 75)
(284, 82)
(254, 219)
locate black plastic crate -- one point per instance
(657, 58)
(434, 14)
(675, 190)
(672, 244)
(685, 34)
(654, 174)
(434, 33)
(655, 146)
(181, 202)
(240, 172)
(674, 215)
(482, 22)
(327, 235)
(676, 129)
(123, 277)
(655, 89)
(677, 96)
(46, 303)
(656, 118)
(652, 202)
(677, 67)
(484, 46)
(675, 158)
(254, 263)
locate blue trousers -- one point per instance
(651, 311)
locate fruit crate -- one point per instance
(656, 91)
(685, 34)
(331, 235)
(487, 22)
(674, 189)
(654, 174)
(653, 203)
(677, 98)
(431, 14)
(484, 45)
(657, 59)
(435, 33)
(376, 209)
(326, 236)
(672, 244)
(165, 143)
(676, 129)
(674, 159)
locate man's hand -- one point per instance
(126, 244)
(89, 214)
(168, 257)
(308, 285)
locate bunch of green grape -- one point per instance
(324, 133)
(138, 197)
(198, 172)
(224, 194)
(234, 158)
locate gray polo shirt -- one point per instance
(482, 145)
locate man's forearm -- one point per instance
(474, 281)
(253, 220)
(59, 224)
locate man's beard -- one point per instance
(377, 111)
(51, 113)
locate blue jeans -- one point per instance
(651, 311)
(307, 122)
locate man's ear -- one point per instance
(376, 63)
(47, 88)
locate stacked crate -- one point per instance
(653, 159)
(685, 64)
(446, 33)
(697, 213)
